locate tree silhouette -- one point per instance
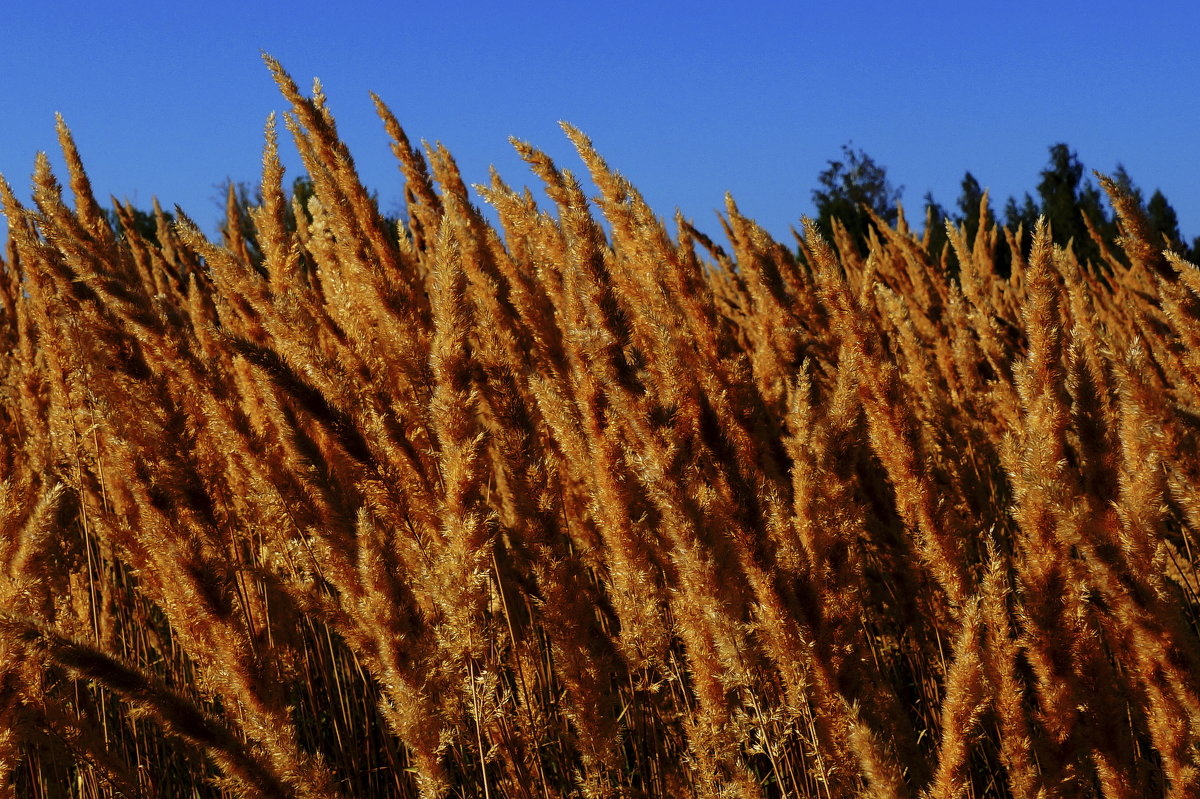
(846, 186)
(968, 205)
(1163, 220)
(1065, 196)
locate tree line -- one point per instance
(855, 186)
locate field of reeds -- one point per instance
(555, 506)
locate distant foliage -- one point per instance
(346, 506)
(856, 189)
(851, 189)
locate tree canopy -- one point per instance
(849, 184)
(1064, 194)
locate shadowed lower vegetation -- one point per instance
(549, 506)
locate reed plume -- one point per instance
(529, 499)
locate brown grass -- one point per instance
(557, 506)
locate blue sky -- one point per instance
(689, 100)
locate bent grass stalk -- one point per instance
(556, 505)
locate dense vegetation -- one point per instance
(855, 186)
(341, 507)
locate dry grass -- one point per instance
(556, 508)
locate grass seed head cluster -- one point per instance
(556, 507)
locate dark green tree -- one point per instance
(846, 186)
(1066, 196)
(970, 199)
(1125, 183)
(302, 190)
(1163, 220)
(144, 223)
(936, 217)
(1025, 214)
(1059, 192)
(968, 206)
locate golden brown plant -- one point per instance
(535, 502)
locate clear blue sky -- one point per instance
(689, 100)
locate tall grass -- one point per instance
(556, 507)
